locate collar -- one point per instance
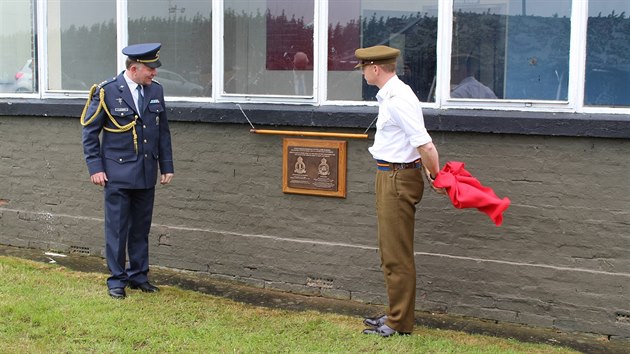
(132, 85)
(468, 79)
(385, 91)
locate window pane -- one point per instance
(608, 53)
(513, 49)
(81, 43)
(17, 53)
(268, 47)
(184, 27)
(409, 25)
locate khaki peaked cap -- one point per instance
(378, 54)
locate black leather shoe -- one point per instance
(145, 287)
(117, 293)
(375, 321)
(384, 331)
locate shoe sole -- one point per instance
(144, 291)
(374, 332)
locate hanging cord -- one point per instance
(370, 126)
(302, 133)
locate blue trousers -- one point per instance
(128, 214)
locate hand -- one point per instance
(99, 178)
(166, 178)
(438, 190)
(430, 178)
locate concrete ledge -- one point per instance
(451, 120)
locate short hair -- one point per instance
(130, 62)
(388, 68)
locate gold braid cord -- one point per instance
(87, 104)
(102, 106)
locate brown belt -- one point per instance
(394, 166)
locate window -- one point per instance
(410, 26)
(184, 28)
(17, 47)
(608, 54)
(513, 49)
(81, 43)
(491, 54)
(268, 47)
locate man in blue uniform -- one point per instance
(129, 112)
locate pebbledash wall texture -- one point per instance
(560, 260)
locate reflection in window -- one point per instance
(184, 28)
(409, 25)
(17, 53)
(268, 47)
(81, 43)
(512, 49)
(608, 54)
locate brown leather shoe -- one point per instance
(145, 287)
(117, 293)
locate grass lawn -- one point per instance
(46, 308)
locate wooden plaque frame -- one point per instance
(314, 167)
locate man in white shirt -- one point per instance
(402, 147)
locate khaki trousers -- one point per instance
(397, 193)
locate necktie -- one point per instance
(140, 98)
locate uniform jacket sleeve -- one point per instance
(90, 138)
(165, 148)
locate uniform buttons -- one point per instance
(146, 156)
(120, 160)
(144, 126)
(145, 141)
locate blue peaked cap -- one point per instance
(145, 53)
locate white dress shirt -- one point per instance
(134, 91)
(400, 124)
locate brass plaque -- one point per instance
(316, 167)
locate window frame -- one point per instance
(218, 64)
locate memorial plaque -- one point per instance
(316, 167)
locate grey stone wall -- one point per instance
(560, 260)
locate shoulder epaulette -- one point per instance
(106, 82)
(157, 82)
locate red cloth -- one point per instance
(466, 191)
